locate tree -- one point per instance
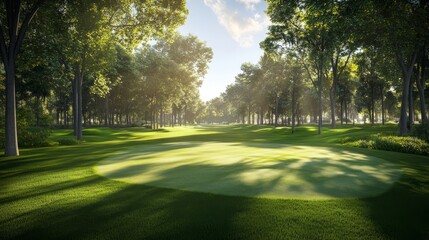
(401, 27)
(302, 27)
(95, 27)
(17, 15)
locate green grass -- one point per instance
(253, 169)
(54, 192)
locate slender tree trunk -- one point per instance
(277, 112)
(37, 98)
(406, 78)
(332, 101)
(248, 113)
(74, 103)
(319, 130)
(106, 110)
(58, 118)
(162, 118)
(411, 105)
(172, 116)
(79, 104)
(293, 108)
(347, 112)
(372, 116)
(66, 122)
(383, 115)
(421, 83)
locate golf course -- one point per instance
(214, 119)
(214, 182)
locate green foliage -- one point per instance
(33, 137)
(28, 134)
(421, 131)
(389, 143)
(67, 141)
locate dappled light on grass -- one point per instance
(253, 170)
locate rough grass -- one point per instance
(53, 192)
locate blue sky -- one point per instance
(233, 29)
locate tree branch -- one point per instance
(28, 17)
(345, 64)
(3, 48)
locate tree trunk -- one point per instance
(277, 112)
(421, 83)
(15, 34)
(319, 130)
(372, 116)
(74, 103)
(37, 111)
(293, 109)
(79, 104)
(347, 112)
(332, 100)
(411, 105)
(383, 115)
(161, 118)
(406, 78)
(248, 113)
(106, 110)
(11, 141)
(65, 118)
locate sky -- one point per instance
(233, 29)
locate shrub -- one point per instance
(28, 135)
(421, 131)
(390, 143)
(33, 137)
(68, 141)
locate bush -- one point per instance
(28, 135)
(421, 131)
(33, 137)
(68, 141)
(390, 143)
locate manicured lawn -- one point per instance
(303, 186)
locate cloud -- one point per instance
(241, 28)
(250, 4)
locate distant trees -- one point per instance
(362, 59)
(269, 92)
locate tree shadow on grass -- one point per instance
(321, 177)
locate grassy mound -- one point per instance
(253, 170)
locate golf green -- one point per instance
(253, 170)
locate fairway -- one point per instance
(253, 170)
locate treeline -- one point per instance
(335, 62)
(77, 63)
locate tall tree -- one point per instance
(16, 17)
(302, 27)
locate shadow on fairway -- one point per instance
(206, 167)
